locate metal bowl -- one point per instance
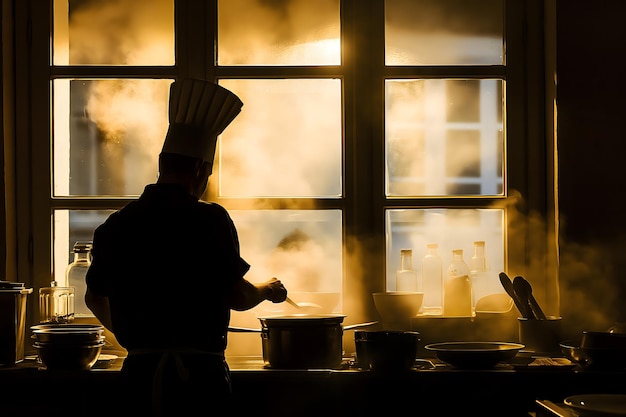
(68, 357)
(474, 355)
(74, 334)
(67, 327)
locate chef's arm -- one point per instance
(246, 295)
(99, 306)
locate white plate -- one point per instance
(599, 405)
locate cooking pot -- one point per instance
(302, 341)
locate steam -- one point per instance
(300, 140)
(131, 116)
(121, 32)
(304, 143)
(262, 32)
(431, 32)
(582, 288)
(136, 109)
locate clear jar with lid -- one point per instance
(56, 304)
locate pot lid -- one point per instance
(302, 320)
(8, 285)
(14, 287)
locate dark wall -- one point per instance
(591, 91)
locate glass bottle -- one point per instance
(457, 292)
(479, 272)
(406, 276)
(432, 279)
(75, 277)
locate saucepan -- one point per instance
(597, 350)
(302, 341)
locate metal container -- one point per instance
(302, 341)
(13, 298)
(386, 350)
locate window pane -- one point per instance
(444, 32)
(278, 32)
(118, 32)
(450, 229)
(71, 226)
(286, 141)
(302, 248)
(444, 137)
(107, 135)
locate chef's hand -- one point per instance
(277, 293)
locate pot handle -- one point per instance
(243, 330)
(356, 326)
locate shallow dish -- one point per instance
(475, 355)
(597, 405)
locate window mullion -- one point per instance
(365, 190)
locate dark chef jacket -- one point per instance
(165, 262)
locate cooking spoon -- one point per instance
(508, 287)
(534, 305)
(521, 289)
(303, 305)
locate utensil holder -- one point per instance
(540, 336)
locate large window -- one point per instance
(367, 128)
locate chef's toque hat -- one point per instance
(199, 112)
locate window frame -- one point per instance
(529, 140)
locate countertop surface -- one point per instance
(112, 361)
(508, 389)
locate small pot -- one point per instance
(386, 350)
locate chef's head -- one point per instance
(199, 111)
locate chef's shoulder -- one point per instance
(213, 210)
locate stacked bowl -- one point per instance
(68, 346)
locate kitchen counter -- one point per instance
(507, 390)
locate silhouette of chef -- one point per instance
(166, 268)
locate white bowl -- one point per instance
(398, 306)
